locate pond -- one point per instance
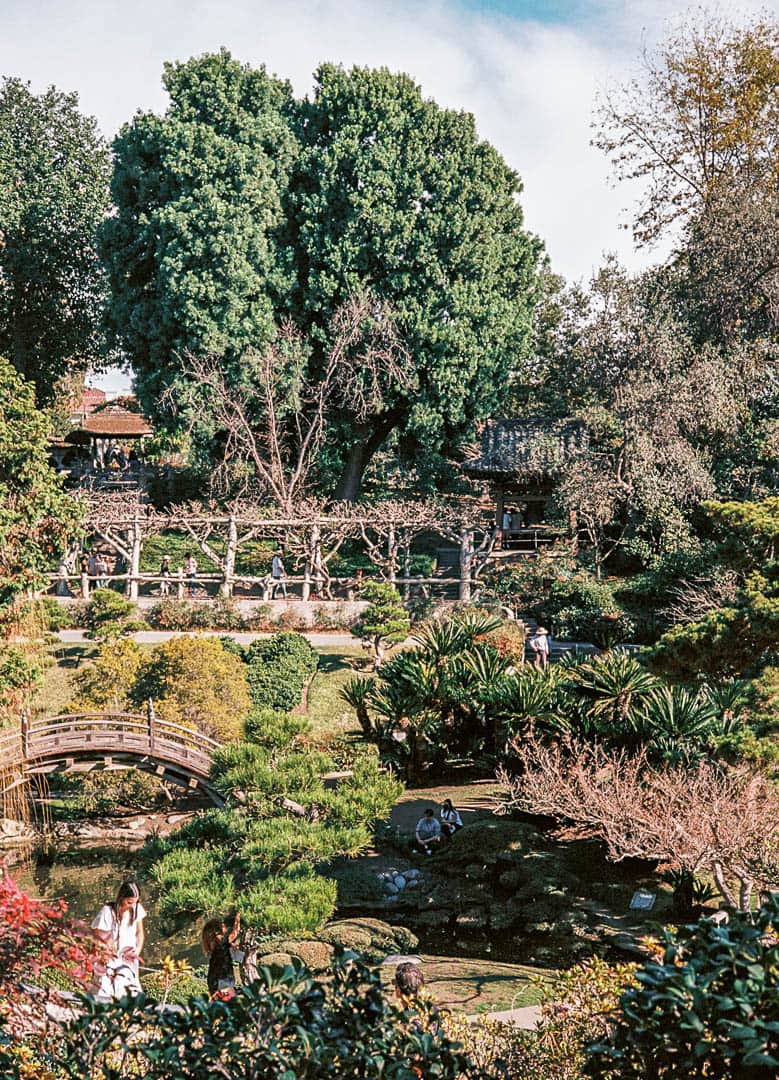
(88, 879)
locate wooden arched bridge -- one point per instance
(107, 740)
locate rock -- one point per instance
(412, 874)
(14, 829)
(174, 819)
(373, 938)
(475, 919)
(400, 881)
(412, 883)
(316, 955)
(391, 888)
(274, 959)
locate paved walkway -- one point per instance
(153, 637)
(526, 1017)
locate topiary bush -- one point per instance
(278, 669)
(110, 615)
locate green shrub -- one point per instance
(283, 647)
(54, 616)
(221, 613)
(229, 644)
(708, 1008)
(109, 791)
(278, 669)
(274, 686)
(110, 615)
(288, 1024)
(271, 728)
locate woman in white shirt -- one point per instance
(450, 819)
(120, 927)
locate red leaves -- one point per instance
(36, 935)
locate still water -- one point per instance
(87, 880)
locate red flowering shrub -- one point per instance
(38, 945)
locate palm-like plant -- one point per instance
(616, 687)
(440, 640)
(358, 693)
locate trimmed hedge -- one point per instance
(278, 670)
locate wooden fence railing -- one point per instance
(86, 734)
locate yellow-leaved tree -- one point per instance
(197, 683)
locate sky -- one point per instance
(528, 70)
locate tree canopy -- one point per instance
(241, 207)
(54, 176)
(37, 518)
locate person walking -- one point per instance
(278, 575)
(190, 569)
(165, 576)
(101, 568)
(119, 926)
(539, 647)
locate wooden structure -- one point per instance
(520, 459)
(107, 741)
(309, 540)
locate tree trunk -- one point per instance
(367, 440)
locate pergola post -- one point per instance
(229, 559)
(136, 542)
(466, 561)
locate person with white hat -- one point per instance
(539, 646)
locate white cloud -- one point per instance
(530, 86)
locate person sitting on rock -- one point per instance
(428, 832)
(450, 819)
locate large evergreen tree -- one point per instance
(400, 195)
(240, 207)
(192, 251)
(54, 174)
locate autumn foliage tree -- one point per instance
(196, 683)
(725, 821)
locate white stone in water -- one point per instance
(411, 874)
(400, 881)
(412, 883)
(391, 888)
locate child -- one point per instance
(217, 938)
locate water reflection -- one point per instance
(87, 880)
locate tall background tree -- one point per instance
(395, 193)
(241, 207)
(54, 176)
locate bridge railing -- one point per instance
(80, 733)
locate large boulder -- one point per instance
(372, 938)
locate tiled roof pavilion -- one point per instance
(530, 447)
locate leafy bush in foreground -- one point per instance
(291, 1026)
(708, 1008)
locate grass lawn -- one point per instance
(327, 712)
(53, 697)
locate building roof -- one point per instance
(114, 422)
(530, 447)
(91, 397)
